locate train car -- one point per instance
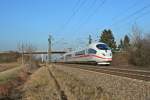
(98, 53)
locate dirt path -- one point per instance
(6, 66)
(58, 88)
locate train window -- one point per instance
(91, 51)
(102, 47)
(61, 58)
(68, 56)
(80, 53)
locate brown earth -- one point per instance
(6, 66)
(11, 89)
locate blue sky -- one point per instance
(68, 21)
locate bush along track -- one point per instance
(11, 88)
(11, 83)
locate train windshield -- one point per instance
(103, 47)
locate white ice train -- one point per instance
(98, 53)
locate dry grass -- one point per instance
(120, 58)
(40, 86)
(12, 79)
(77, 89)
(10, 57)
(140, 53)
(8, 81)
(9, 75)
(6, 66)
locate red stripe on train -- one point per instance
(92, 56)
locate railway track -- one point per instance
(134, 74)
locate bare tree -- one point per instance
(136, 36)
(21, 48)
(139, 53)
(29, 48)
(28, 60)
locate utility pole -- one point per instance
(42, 58)
(22, 52)
(49, 48)
(90, 39)
(20, 47)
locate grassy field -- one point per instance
(9, 75)
(6, 66)
(8, 79)
(12, 79)
(40, 86)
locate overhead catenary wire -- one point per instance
(121, 20)
(142, 15)
(126, 10)
(134, 14)
(136, 17)
(90, 15)
(76, 9)
(131, 15)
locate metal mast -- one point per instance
(49, 48)
(22, 49)
(90, 39)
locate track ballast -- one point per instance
(130, 73)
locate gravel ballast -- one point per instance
(119, 88)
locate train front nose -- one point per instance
(106, 55)
(104, 51)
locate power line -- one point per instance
(133, 14)
(76, 9)
(49, 48)
(138, 17)
(142, 15)
(125, 11)
(100, 5)
(92, 5)
(77, 3)
(90, 15)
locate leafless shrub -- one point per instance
(139, 51)
(9, 57)
(28, 59)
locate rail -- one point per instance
(134, 74)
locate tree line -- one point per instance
(108, 38)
